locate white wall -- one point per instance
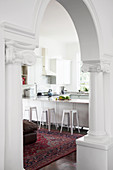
(55, 49)
(17, 12)
(104, 12)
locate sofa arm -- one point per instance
(29, 138)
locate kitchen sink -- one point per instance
(46, 94)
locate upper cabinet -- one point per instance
(30, 75)
(35, 72)
(48, 71)
(62, 69)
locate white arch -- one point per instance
(86, 23)
(95, 18)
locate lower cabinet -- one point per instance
(83, 111)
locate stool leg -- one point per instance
(68, 120)
(46, 118)
(71, 121)
(48, 113)
(41, 119)
(30, 114)
(40, 124)
(62, 122)
(54, 117)
(77, 121)
(37, 116)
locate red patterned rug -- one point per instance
(49, 147)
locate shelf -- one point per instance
(24, 75)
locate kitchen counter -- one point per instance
(53, 99)
(42, 103)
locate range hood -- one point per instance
(45, 70)
(48, 73)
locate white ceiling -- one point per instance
(57, 24)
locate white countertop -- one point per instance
(53, 99)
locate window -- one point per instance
(84, 80)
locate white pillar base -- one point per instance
(94, 153)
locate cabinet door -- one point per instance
(66, 72)
(60, 72)
(38, 70)
(31, 75)
(63, 71)
(35, 72)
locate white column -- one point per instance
(97, 145)
(96, 99)
(96, 105)
(2, 100)
(14, 124)
(14, 142)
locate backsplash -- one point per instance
(43, 88)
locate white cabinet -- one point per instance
(38, 70)
(35, 72)
(62, 70)
(59, 72)
(30, 75)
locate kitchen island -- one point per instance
(81, 105)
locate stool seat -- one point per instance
(70, 115)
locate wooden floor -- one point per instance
(66, 163)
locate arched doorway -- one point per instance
(91, 51)
(90, 38)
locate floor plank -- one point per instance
(66, 163)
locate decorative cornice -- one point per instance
(103, 66)
(21, 46)
(11, 28)
(27, 57)
(17, 54)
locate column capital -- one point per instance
(102, 66)
(20, 53)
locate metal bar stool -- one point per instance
(26, 110)
(48, 113)
(70, 115)
(30, 111)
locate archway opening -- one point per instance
(50, 41)
(60, 39)
(58, 65)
